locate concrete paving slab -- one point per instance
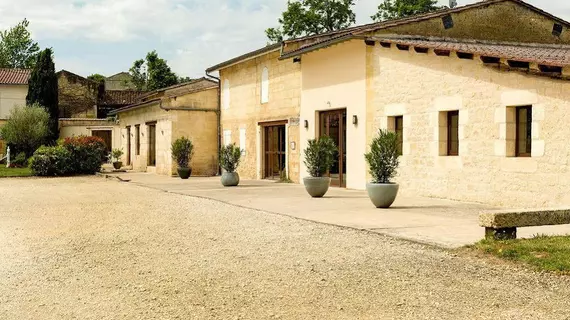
(439, 222)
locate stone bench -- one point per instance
(503, 224)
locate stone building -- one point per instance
(13, 92)
(478, 93)
(260, 100)
(149, 127)
(119, 82)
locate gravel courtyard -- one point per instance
(90, 248)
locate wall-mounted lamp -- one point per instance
(293, 145)
(306, 124)
(354, 119)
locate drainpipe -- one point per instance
(219, 114)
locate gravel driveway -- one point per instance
(90, 248)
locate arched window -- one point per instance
(226, 94)
(265, 85)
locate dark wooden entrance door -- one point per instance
(128, 146)
(152, 144)
(333, 124)
(274, 151)
(106, 135)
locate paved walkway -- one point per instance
(444, 223)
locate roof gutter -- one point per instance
(219, 116)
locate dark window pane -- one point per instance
(399, 128)
(453, 133)
(524, 131)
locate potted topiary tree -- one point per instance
(230, 157)
(319, 159)
(116, 155)
(182, 152)
(383, 162)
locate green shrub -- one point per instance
(383, 156)
(182, 151)
(116, 155)
(87, 154)
(230, 157)
(51, 161)
(19, 161)
(26, 129)
(320, 156)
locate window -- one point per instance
(226, 94)
(227, 137)
(399, 129)
(453, 133)
(265, 85)
(242, 140)
(137, 140)
(523, 143)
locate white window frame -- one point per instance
(227, 137)
(242, 140)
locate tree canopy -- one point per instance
(97, 77)
(43, 90)
(396, 9)
(309, 17)
(26, 129)
(17, 49)
(152, 73)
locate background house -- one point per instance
(13, 92)
(119, 81)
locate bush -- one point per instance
(87, 154)
(320, 156)
(230, 157)
(26, 129)
(182, 151)
(51, 161)
(20, 161)
(383, 157)
(116, 155)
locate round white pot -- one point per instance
(382, 195)
(317, 187)
(230, 179)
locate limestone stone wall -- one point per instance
(77, 96)
(11, 96)
(85, 127)
(422, 86)
(245, 109)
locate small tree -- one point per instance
(230, 157)
(320, 156)
(26, 129)
(43, 90)
(396, 9)
(182, 152)
(383, 156)
(17, 48)
(116, 155)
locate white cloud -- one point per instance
(191, 34)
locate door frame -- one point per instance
(341, 147)
(129, 145)
(150, 125)
(263, 126)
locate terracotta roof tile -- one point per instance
(121, 97)
(552, 55)
(14, 76)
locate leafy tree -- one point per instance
(43, 90)
(26, 129)
(97, 77)
(396, 9)
(17, 49)
(152, 73)
(184, 79)
(309, 17)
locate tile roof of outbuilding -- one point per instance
(551, 55)
(122, 97)
(15, 76)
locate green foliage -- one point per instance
(26, 129)
(230, 157)
(116, 154)
(43, 90)
(152, 73)
(383, 157)
(17, 49)
(87, 154)
(51, 161)
(309, 17)
(541, 252)
(320, 156)
(21, 160)
(396, 9)
(182, 151)
(184, 79)
(99, 78)
(15, 172)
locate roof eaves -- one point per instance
(319, 45)
(135, 106)
(244, 57)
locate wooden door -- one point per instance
(333, 124)
(274, 151)
(128, 146)
(107, 136)
(152, 145)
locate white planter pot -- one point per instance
(382, 195)
(317, 187)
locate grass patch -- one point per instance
(541, 252)
(14, 172)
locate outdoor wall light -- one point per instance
(354, 119)
(306, 124)
(293, 145)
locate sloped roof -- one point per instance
(551, 55)
(15, 76)
(310, 43)
(245, 56)
(121, 97)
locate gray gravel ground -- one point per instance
(89, 248)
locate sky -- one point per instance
(106, 36)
